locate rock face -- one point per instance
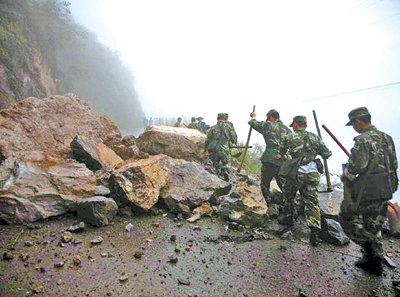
(191, 185)
(139, 181)
(49, 125)
(245, 205)
(95, 155)
(178, 143)
(36, 186)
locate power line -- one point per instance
(351, 92)
(366, 7)
(359, 4)
(382, 20)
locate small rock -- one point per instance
(59, 264)
(59, 282)
(77, 242)
(177, 250)
(123, 278)
(173, 238)
(172, 259)
(8, 256)
(42, 270)
(67, 237)
(97, 240)
(77, 260)
(104, 254)
(129, 227)
(184, 282)
(138, 255)
(156, 224)
(77, 227)
(29, 243)
(23, 257)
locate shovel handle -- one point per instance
(328, 178)
(247, 145)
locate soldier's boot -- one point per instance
(314, 236)
(377, 251)
(371, 260)
(286, 220)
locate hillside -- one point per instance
(43, 52)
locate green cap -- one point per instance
(272, 112)
(298, 120)
(357, 113)
(221, 116)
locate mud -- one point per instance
(163, 256)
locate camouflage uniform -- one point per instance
(273, 133)
(363, 214)
(217, 145)
(194, 125)
(305, 145)
(232, 130)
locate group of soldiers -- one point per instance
(199, 125)
(370, 177)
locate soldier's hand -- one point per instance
(253, 114)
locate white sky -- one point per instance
(199, 58)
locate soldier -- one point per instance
(194, 125)
(370, 179)
(273, 131)
(301, 174)
(202, 124)
(178, 122)
(233, 131)
(216, 144)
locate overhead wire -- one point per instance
(382, 20)
(366, 7)
(351, 92)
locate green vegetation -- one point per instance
(252, 162)
(80, 64)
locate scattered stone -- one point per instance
(42, 270)
(77, 227)
(76, 242)
(196, 228)
(59, 264)
(287, 235)
(129, 227)
(59, 282)
(156, 224)
(77, 260)
(123, 278)
(104, 254)
(67, 237)
(184, 282)
(172, 259)
(138, 255)
(97, 240)
(8, 256)
(177, 250)
(194, 217)
(23, 257)
(32, 227)
(29, 243)
(173, 238)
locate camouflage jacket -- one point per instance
(273, 133)
(233, 131)
(293, 144)
(366, 147)
(219, 137)
(194, 125)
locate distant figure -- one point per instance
(202, 124)
(194, 125)
(161, 121)
(151, 121)
(178, 122)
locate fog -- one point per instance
(199, 58)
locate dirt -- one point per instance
(163, 256)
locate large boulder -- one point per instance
(190, 185)
(98, 211)
(138, 182)
(95, 155)
(50, 124)
(37, 186)
(178, 143)
(245, 205)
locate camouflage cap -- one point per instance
(272, 112)
(193, 119)
(226, 115)
(221, 116)
(357, 113)
(298, 120)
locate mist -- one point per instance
(192, 59)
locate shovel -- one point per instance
(247, 146)
(328, 178)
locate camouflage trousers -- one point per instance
(364, 227)
(307, 185)
(268, 172)
(220, 161)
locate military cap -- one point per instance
(357, 113)
(298, 120)
(272, 112)
(193, 119)
(221, 116)
(226, 115)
